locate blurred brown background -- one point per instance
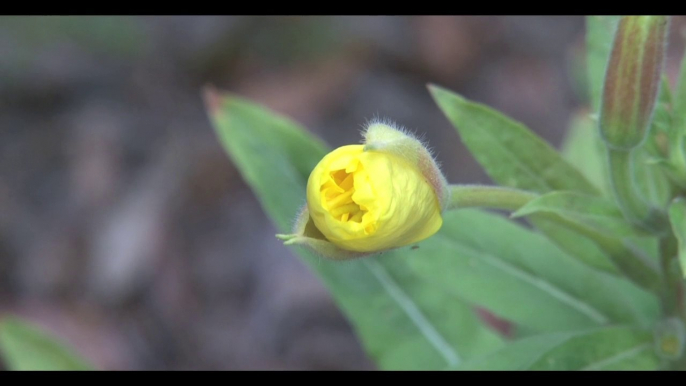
(126, 230)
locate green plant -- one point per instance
(595, 283)
(24, 346)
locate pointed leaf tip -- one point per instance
(435, 90)
(213, 98)
(26, 346)
(431, 87)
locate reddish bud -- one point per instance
(632, 80)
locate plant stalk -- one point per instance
(494, 197)
(673, 299)
(634, 207)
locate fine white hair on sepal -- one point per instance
(374, 120)
(295, 219)
(387, 122)
(377, 119)
(393, 125)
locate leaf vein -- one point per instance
(414, 313)
(546, 286)
(618, 357)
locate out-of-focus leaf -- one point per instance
(614, 348)
(109, 37)
(115, 35)
(25, 347)
(403, 320)
(521, 277)
(679, 107)
(598, 213)
(653, 163)
(518, 355)
(509, 152)
(672, 138)
(661, 126)
(584, 149)
(677, 216)
(651, 180)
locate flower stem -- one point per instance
(673, 301)
(634, 207)
(480, 196)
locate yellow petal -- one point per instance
(368, 201)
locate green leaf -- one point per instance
(614, 348)
(600, 31)
(677, 217)
(651, 180)
(26, 347)
(679, 107)
(510, 153)
(404, 321)
(448, 324)
(583, 148)
(574, 244)
(662, 121)
(520, 276)
(654, 164)
(670, 120)
(598, 213)
(518, 355)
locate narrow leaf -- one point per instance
(510, 153)
(598, 213)
(520, 354)
(583, 148)
(679, 108)
(651, 180)
(614, 348)
(26, 347)
(677, 217)
(575, 245)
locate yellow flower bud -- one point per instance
(366, 199)
(372, 197)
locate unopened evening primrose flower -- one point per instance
(369, 198)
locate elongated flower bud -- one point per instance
(369, 198)
(632, 80)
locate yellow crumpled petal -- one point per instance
(371, 200)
